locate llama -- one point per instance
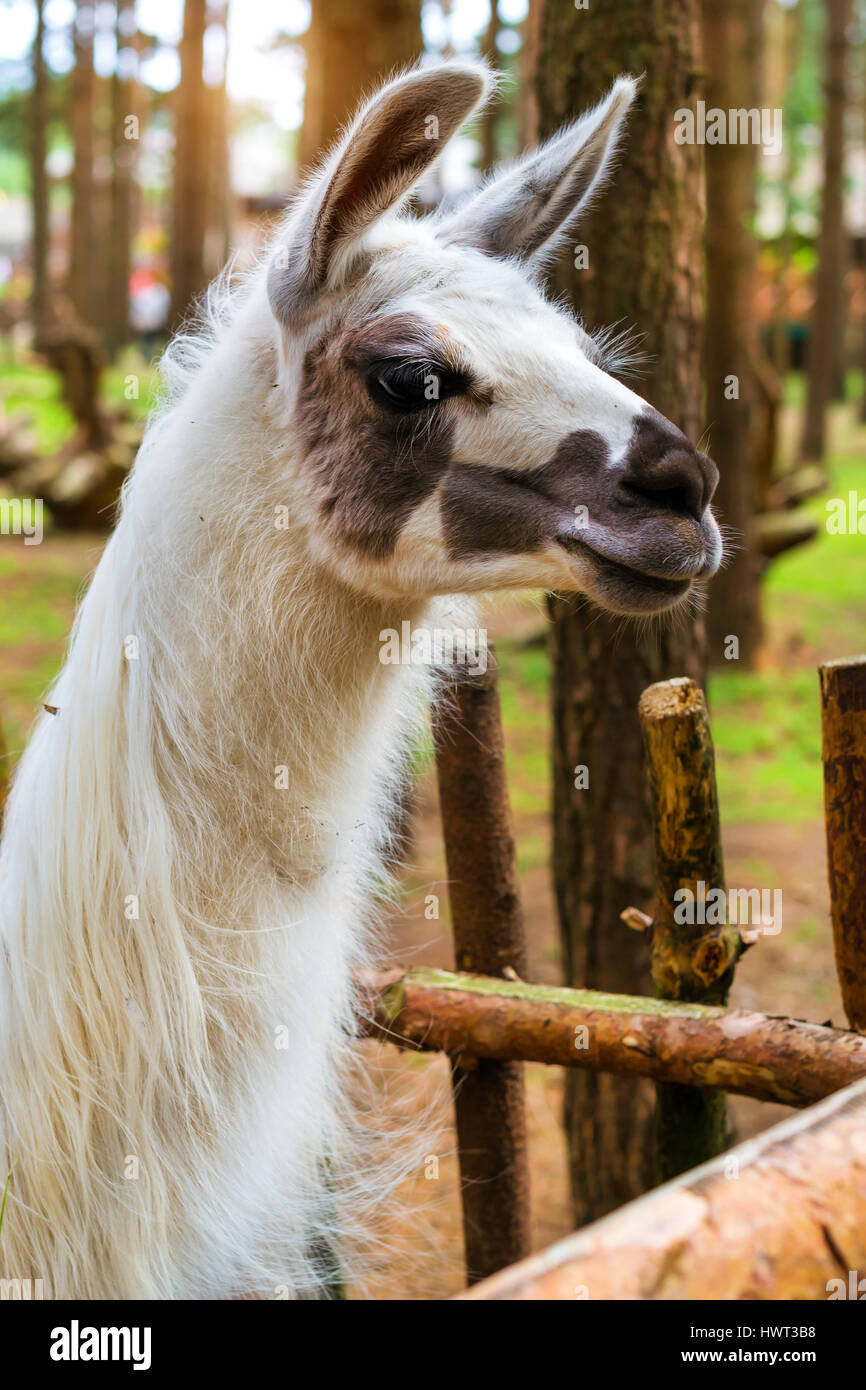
(385, 414)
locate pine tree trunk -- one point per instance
(862, 411)
(732, 35)
(81, 276)
(644, 245)
(786, 29)
(124, 150)
(189, 277)
(350, 46)
(825, 325)
(39, 177)
(488, 122)
(218, 234)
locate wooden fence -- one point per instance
(796, 1216)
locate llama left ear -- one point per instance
(527, 209)
(396, 135)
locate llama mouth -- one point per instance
(623, 583)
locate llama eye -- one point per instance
(411, 385)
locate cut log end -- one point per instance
(679, 698)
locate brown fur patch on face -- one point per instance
(371, 467)
(488, 511)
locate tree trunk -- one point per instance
(188, 275)
(862, 411)
(644, 265)
(218, 235)
(785, 41)
(825, 325)
(350, 46)
(220, 210)
(81, 269)
(39, 177)
(732, 34)
(843, 726)
(124, 150)
(488, 121)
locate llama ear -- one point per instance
(527, 209)
(396, 135)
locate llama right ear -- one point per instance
(396, 135)
(525, 211)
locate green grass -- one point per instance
(767, 725)
(766, 730)
(36, 390)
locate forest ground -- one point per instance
(766, 727)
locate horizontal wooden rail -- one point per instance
(781, 1217)
(751, 1054)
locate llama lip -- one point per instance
(622, 574)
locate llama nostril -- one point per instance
(681, 481)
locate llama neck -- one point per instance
(276, 731)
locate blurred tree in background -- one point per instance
(350, 46)
(38, 172)
(732, 69)
(644, 265)
(190, 202)
(82, 248)
(826, 339)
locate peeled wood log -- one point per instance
(694, 1045)
(843, 722)
(776, 1218)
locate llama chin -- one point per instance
(385, 414)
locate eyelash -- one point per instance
(415, 373)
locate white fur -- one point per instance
(156, 1038)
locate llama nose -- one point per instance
(681, 480)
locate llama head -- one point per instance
(454, 430)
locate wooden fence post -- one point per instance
(489, 940)
(843, 724)
(692, 961)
